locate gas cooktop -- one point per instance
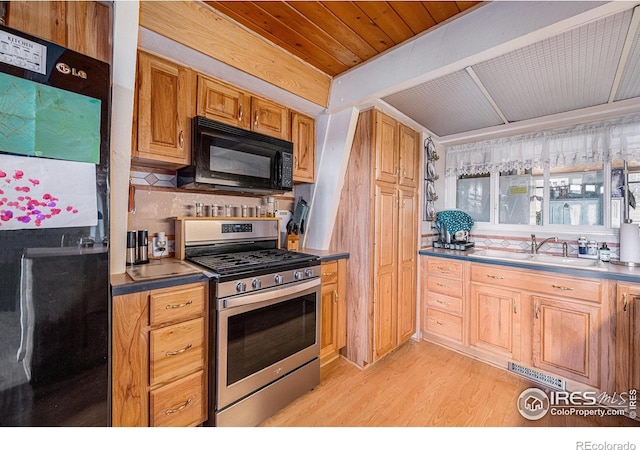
(242, 262)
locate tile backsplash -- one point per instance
(520, 244)
(158, 201)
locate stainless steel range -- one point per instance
(265, 316)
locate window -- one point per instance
(473, 196)
(520, 199)
(559, 177)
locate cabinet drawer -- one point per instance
(330, 272)
(173, 304)
(445, 286)
(443, 303)
(444, 324)
(445, 267)
(574, 288)
(179, 404)
(176, 350)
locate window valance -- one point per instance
(611, 140)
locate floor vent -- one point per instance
(538, 377)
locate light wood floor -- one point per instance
(418, 385)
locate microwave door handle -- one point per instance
(278, 169)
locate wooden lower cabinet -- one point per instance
(495, 320)
(566, 339)
(628, 337)
(560, 325)
(333, 332)
(443, 299)
(159, 357)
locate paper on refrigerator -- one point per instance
(46, 193)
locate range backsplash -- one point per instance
(158, 200)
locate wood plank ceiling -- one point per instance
(335, 36)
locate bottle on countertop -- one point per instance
(582, 245)
(605, 253)
(271, 207)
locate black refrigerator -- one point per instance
(55, 302)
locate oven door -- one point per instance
(262, 337)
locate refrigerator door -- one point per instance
(55, 303)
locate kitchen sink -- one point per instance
(502, 254)
(548, 260)
(567, 261)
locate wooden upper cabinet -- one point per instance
(269, 118)
(84, 27)
(409, 145)
(166, 93)
(386, 148)
(223, 103)
(303, 137)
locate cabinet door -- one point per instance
(304, 141)
(329, 332)
(83, 26)
(223, 103)
(165, 92)
(408, 148)
(495, 320)
(269, 118)
(566, 339)
(386, 148)
(407, 264)
(385, 270)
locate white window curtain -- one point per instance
(612, 140)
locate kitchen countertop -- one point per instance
(122, 283)
(325, 255)
(605, 270)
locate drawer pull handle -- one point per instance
(562, 288)
(444, 268)
(442, 324)
(443, 303)
(181, 305)
(177, 352)
(328, 274)
(624, 302)
(179, 408)
(446, 286)
(240, 113)
(495, 277)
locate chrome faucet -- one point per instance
(535, 246)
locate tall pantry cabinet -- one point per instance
(377, 223)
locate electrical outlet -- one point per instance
(158, 251)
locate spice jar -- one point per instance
(271, 207)
(199, 209)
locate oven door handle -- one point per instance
(267, 295)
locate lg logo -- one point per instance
(65, 69)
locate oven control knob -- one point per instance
(278, 279)
(297, 275)
(241, 287)
(256, 283)
(308, 273)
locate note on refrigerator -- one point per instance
(46, 193)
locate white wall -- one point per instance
(125, 40)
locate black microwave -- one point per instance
(229, 158)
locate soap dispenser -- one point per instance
(605, 253)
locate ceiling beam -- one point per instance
(624, 56)
(486, 94)
(199, 27)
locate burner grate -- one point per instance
(229, 263)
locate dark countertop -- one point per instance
(607, 270)
(326, 255)
(122, 283)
